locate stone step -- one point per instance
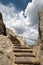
(26, 60)
(25, 55)
(23, 50)
(27, 64)
(23, 64)
(22, 53)
(21, 47)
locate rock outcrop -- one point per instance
(41, 24)
(6, 54)
(2, 26)
(5, 50)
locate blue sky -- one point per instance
(19, 4)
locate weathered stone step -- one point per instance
(21, 47)
(24, 64)
(22, 53)
(28, 64)
(23, 50)
(26, 60)
(25, 55)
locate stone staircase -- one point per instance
(24, 55)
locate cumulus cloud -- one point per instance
(33, 9)
(23, 23)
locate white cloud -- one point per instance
(24, 26)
